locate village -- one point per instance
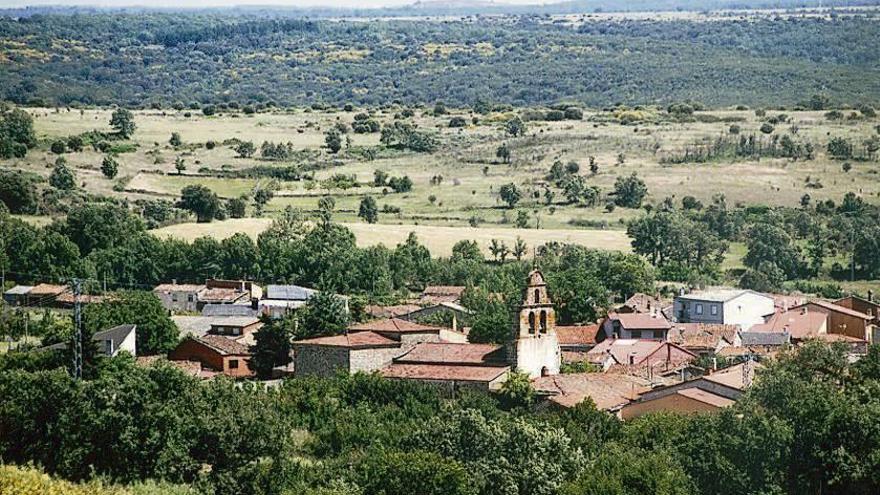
(696, 352)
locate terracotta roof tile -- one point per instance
(639, 321)
(392, 325)
(444, 290)
(47, 290)
(377, 311)
(701, 335)
(607, 391)
(355, 340)
(223, 345)
(178, 287)
(799, 324)
(444, 372)
(453, 353)
(577, 334)
(643, 303)
(220, 294)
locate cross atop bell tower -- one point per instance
(536, 315)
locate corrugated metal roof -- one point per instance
(289, 292)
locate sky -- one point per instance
(230, 3)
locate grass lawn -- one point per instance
(438, 239)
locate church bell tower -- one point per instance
(535, 347)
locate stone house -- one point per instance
(353, 352)
(725, 306)
(180, 297)
(452, 365)
(215, 352)
(365, 347)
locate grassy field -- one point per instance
(471, 175)
(439, 240)
(442, 212)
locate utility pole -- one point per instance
(77, 330)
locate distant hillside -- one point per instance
(168, 58)
(459, 8)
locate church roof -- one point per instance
(444, 372)
(356, 340)
(392, 325)
(453, 354)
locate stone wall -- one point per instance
(368, 360)
(319, 360)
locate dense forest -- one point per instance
(161, 59)
(806, 426)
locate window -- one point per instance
(236, 331)
(658, 334)
(233, 364)
(636, 334)
(698, 308)
(191, 298)
(174, 297)
(713, 309)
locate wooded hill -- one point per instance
(164, 58)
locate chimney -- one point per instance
(173, 281)
(632, 358)
(870, 295)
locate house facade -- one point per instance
(637, 325)
(723, 306)
(215, 352)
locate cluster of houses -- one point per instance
(646, 355)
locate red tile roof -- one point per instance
(607, 391)
(643, 303)
(355, 340)
(377, 311)
(799, 324)
(47, 290)
(444, 290)
(444, 372)
(392, 325)
(223, 345)
(701, 335)
(577, 334)
(227, 295)
(453, 353)
(641, 321)
(574, 356)
(178, 287)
